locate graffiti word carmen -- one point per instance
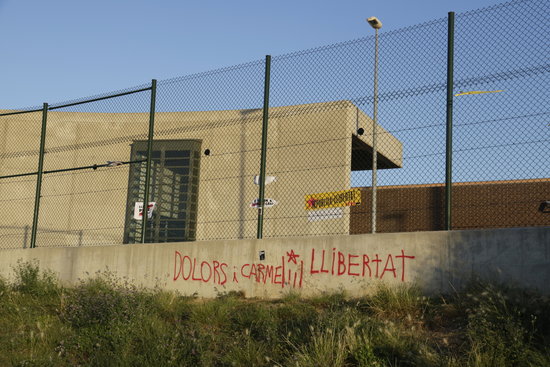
(218, 272)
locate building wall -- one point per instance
(89, 207)
(442, 261)
(497, 204)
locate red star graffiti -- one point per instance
(311, 202)
(292, 256)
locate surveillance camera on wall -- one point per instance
(545, 206)
(375, 22)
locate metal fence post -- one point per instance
(149, 151)
(39, 175)
(374, 137)
(264, 147)
(449, 131)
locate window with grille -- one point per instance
(174, 187)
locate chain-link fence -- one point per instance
(502, 139)
(88, 206)
(81, 149)
(221, 112)
(206, 156)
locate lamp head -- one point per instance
(374, 22)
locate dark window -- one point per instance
(175, 166)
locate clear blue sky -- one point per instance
(58, 50)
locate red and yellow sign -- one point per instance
(333, 199)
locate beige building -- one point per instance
(204, 165)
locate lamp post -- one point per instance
(376, 24)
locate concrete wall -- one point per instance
(437, 261)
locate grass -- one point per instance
(108, 322)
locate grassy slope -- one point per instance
(105, 322)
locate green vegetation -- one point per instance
(107, 322)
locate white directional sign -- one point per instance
(268, 179)
(268, 203)
(324, 214)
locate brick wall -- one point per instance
(496, 204)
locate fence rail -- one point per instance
(192, 157)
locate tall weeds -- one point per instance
(109, 322)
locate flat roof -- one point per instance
(504, 182)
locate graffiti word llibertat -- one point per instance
(358, 265)
(289, 272)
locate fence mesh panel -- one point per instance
(222, 112)
(410, 129)
(89, 206)
(501, 139)
(19, 142)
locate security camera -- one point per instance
(545, 207)
(375, 22)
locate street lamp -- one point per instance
(376, 24)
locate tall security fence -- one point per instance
(81, 173)
(456, 129)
